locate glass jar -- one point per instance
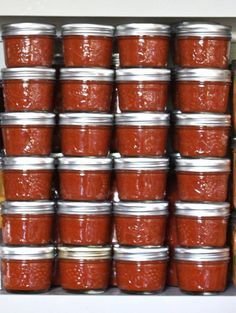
(203, 179)
(142, 134)
(84, 223)
(141, 179)
(142, 89)
(28, 44)
(27, 178)
(143, 45)
(202, 135)
(202, 224)
(202, 90)
(141, 223)
(86, 89)
(202, 270)
(141, 269)
(85, 179)
(202, 45)
(87, 45)
(27, 133)
(27, 269)
(85, 269)
(85, 134)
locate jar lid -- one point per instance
(85, 163)
(202, 254)
(27, 253)
(141, 163)
(148, 253)
(28, 207)
(87, 30)
(141, 208)
(202, 119)
(74, 207)
(202, 165)
(142, 119)
(143, 29)
(28, 163)
(28, 29)
(143, 74)
(92, 74)
(27, 118)
(202, 209)
(84, 253)
(202, 74)
(202, 29)
(92, 119)
(25, 73)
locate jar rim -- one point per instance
(202, 164)
(143, 29)
(13, 29)
(91, 119)
(140, 208)
(201, 254)
(87, 30)
(27, 118)
(28, 207)
(87, 74)
(143, 74)
(27, 253)
(25, 73)
(202, 209)
(140, 163)
(85, 163)
(28, 163)
(78, 207)
(84, 253)
(147, 253)
(202, 74)
(142, 119)
(202, 119)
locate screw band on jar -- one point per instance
(28, 207)
(17, 29)
(85, 164)
(89, 208)
(28, 163)
(87, 30)
(207, 165)
(87, 74)
(146, 208)
(27, 118)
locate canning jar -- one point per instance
(86, 89)
(28, 44)
(85, 269)
(142, 134)
(87, 45)
(142, 89)
(203, 179)
(143, 45)
(27, 269)
(202, 270)
(84, 223)
(202, 224)
(85, 179)
(27, 223)
(202, 45)
(202, 135)
(141, 269)
(85, 134)
(27, 178)
(202, 90)
(27, 133)
(28, 89)
(140, 223)
(141, 179)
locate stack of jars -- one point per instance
(27, 127)
(202, 130)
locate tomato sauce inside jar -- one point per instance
(143, 45)
(84, 223)
(141, 223)
(87, 45)
(28, 44)
(202, 270)
(85, 134)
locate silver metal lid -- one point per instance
(202, 74)
(28, 207)
(202, 165)
(26, 73)
(91, 74)
(202, 254)
(149, 253)
(143, 29)
(141, 208)
(28, 163)
(92, 119)
(143, 74)
(85, 163)
(80, 208)
(84, 253)
(142, 119)
(87, 30)
(202, 119)
(28, 29)
(27, 253)
(141, 163)
(202, 209)
(27, 118)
